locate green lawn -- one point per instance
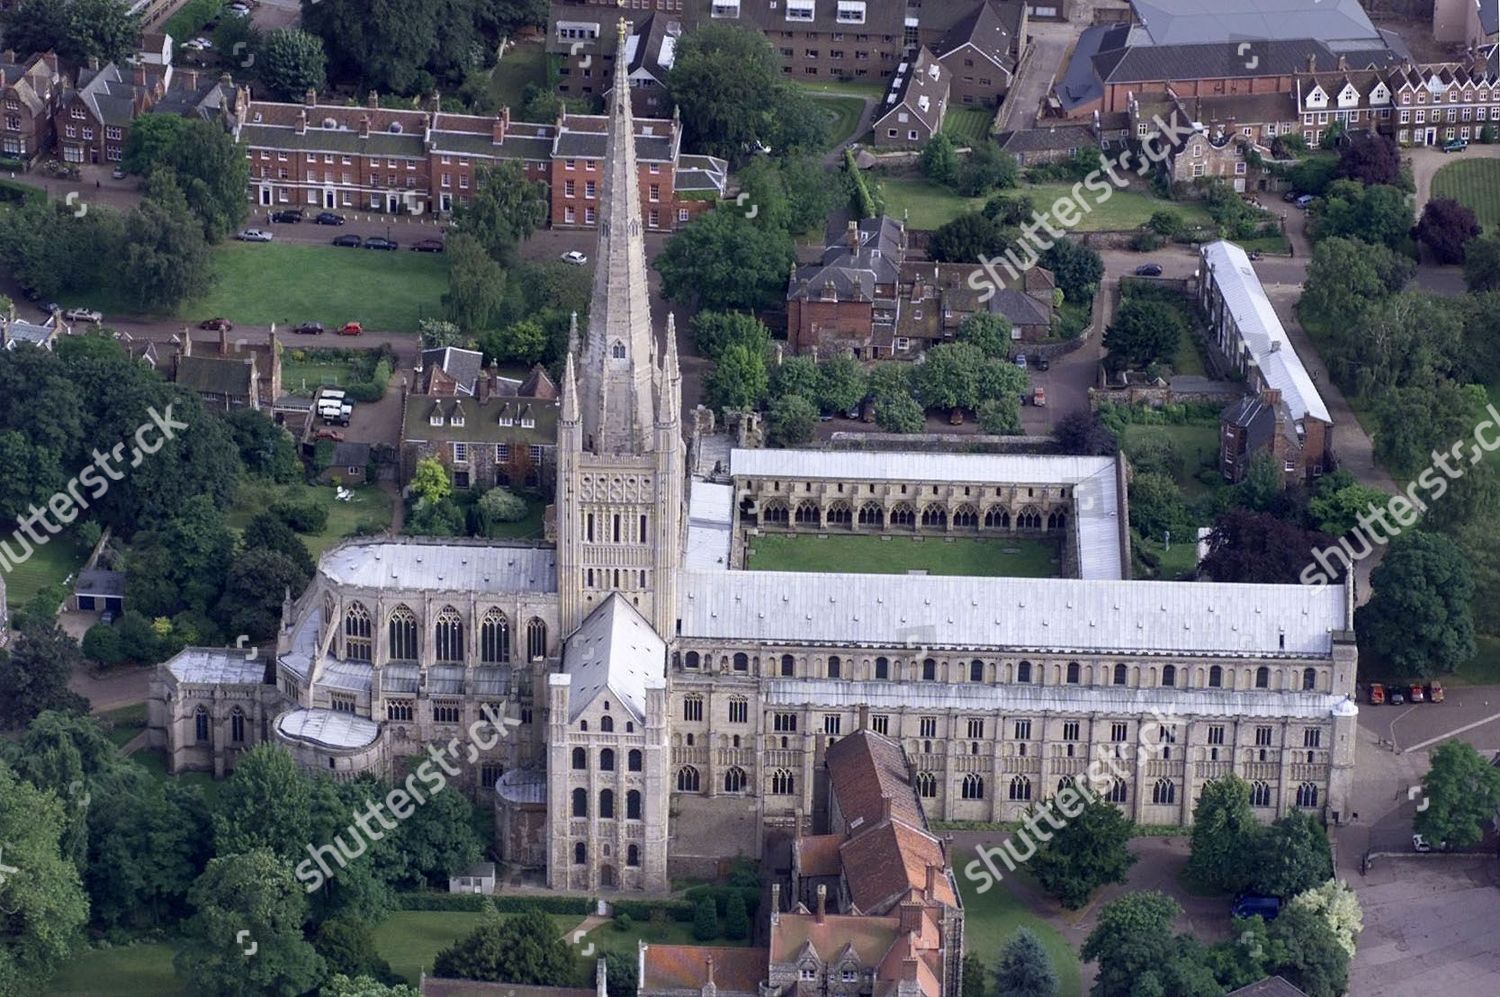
(843, 112)
(530, 528)
(1181, 560)
(190, 19)
(1475, 183)
(49, 564)
(155, 763)
(926, 205)
(898, 555)
(136, 971)
(968, 124)
(524, 64)
(410, 940)
(991, 917)
(931, 206)
(123, 724)
(1483, 668)
(305, 376)
(370, 504)
(855, 88)
(1196, 444)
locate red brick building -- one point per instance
(29, 92)
(93, 117)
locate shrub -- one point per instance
(1146, 242)
(102, 644)
(428, 900)
(622, 922)
(305, 515)
(705, 920)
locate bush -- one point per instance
(705, 920)
(647, 910)
(305, 515)
(1146, 242)
(864, 201)
(102, 644)
(429, 900)
(623, 922)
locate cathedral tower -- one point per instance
(620, 452)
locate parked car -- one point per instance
(118, 173)
(1290, 197)
(83, 315)
(1148, 270)
(1303, 200)
(376, 242)
(1416, 693)
(291, 216)
(1251, 904)
(351, 329)
(1021, 360)
(1255, 254)
(216, 324)
(1455, 145)
(1376, 694)
(1040, 362)
(1434, 692)
(1039, 397)
(427, 246)
(1421, 844)
(338, 415)
(253, 235)
(309, 329)
(575, 257)
(348, 240)
(50, 308)
(329, 434)
(328, 218)
(1397, 697)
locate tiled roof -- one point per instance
(920, 87)
(870, 937)
(864, 770)
(1054, 138)
(464, 366)
(481, 420)
(433, 986)
(889, 861)
(685, 967)
(989, 27)
(818, 854)
(228, 376)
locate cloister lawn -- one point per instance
(896, 555)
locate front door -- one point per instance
(1431, 136)
(393, 203)
(329, 199)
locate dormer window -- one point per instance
(528, 421)
(457, 418)
(436, 419)
(800, 10)
(851, 12)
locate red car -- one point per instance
(216, 324)
(329, 434)
(351, 329)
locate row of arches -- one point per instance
(932, 516)
(736, 780)
(606, 760)
(450, 636)
(606, 872)
(607, 804)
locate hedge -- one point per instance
(720, 894)
(505, 904)
(864, 201)
(642, 910)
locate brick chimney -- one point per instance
(499, 125)
(822, 902)
(1271, 396)
(302, 122)
(885, 808)
(910, 913)
(1312, 62)
(223, 341)
(1343, 63)
(372, 100)
(435, 102)
(853, 234)
(931, 891)
(364, 126)
(138, 75)
(310, 97)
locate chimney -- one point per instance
(302, 122)
(1271, 396)
(853, 236)
(372, 100)
(185, 347)
(498, 126)
(310, 97)
(1312, 62)
(909, 964)
(364, 126)
(223, 341)
(435, 102)
(910, 913)
(931, 891)
(1275, 346)
(822, 902)
(139, 75)
(709, 965)
(94, 63)
(1343, 62)
(885, 807)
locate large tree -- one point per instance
(523, 950)
(290, 62)
(1370, 159)
(1076, 268)
(1380, 214)
(182, 563)
(1088, 852)
(1419, 619)
(792, 420)
(265, 803)
(841, 384)
(40, 893)
(1461, 793)
(969, 238)
(1143, 333)
(1482, 263)
(1224, 827)
(714, 332)
(1345, 274)
(724, 261)
(739, 379)
(504, 209)
(254, 589)
(1290, 857)
(203, 162)
(393, 46)
(1024, 969)
(1132, 939)
(147, 841)
(1158, 508)
(1083, 433)
(34, 674)
(167, 261)
(1247, 546)
(77, 30)
(1446, 228)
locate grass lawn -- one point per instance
(898, 555)
(843, 115)
(370, 504)
(926, 204)
(190, 19)
(1276, 245)
(49, 564)
(1472, 182)
(136, 971)
(523, 64)
(155, 763)
(410, 939)
(1482, 669)
(931, 206)
(1177, 562)
(1188, 360)
(305, 376)
(125, 723)
(530, 528)
(968, 124)
(855, 88)
(1195, 443)
(990, 918)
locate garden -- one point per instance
(899, 555)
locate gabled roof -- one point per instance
(920, 87)
(215, 375)
(854, 272)
(615, 648)
(686, 967)
(892, 860)
(1178, 22)
(1271, 986)
(464, 366)
(818, 854)
(990, 29)
(864, 770)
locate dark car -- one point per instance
(1040, 362)
(348, 240)
(1248, 905)
(329, 218)
(428, 246)
(291, 217)
(1290, 197)
(376, 242)
(310, 329)
(1148, 270)
(216, 324)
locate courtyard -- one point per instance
(1475, 183)
(898, 555)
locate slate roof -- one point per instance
(615, 648)
(1019, 308)
(99, 582)
(434, 986)
(685, 967)
(351, 454)
(1151, 63)
(1054, 138)
(1271, 986)
(464, 366)
(1177, 22)
(855, 273)
(481, 420)
(215, 375)
(991, 29)
(1079, 85)
(920, 87)
(328, 728)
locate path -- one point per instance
(835, 157)
(1039, 67)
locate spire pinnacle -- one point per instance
(570, 391)
(573, 333)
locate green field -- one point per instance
(49, 564)
(303, 377)
(123, 724)
(991, 917)
(931, 206)
(1196, 443)
(136, 971)
(530, 528)
(843, 112)
(874, 555)
(853, 88)
(370, 504)
(523, 65)
(1475, 183)
(965, 125)
(409, 940)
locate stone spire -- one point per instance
(616, 375)
(573, 333)
(570, 389)
(671, 378)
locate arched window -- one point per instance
(806, 513)
(870, 514)
(633, 760)
(966, 516)
(903, 515)
(775, 514)
(633, 805)
(494, 638)
(1309, 679)
(580, 854)
(691, 659)
(839, 514)
(926, 785)
(1263, 677)
(606, 804)
(1164, 792)
(996, 518)
(633, 855)
(1260, 794)
(607, 759)
(742, 662)
(617, 351)
(1120, 674)
(882, 668)
(1215, 677)
(929, 670)
(788, 666)
(357, 631)
(734, 780)
(976, 670)
(935, 515)
(450, 635)
(1023, 672)
(580, 759)
(973, 786)
(1020, 788)
(580, 802)
(607, 724)
(782, 782)
(1168, 674)
(1117, 791)
(237, 726)
(536, 639)
(1072, 673)
(200, 724)
(1307, 795)
(403, 634)
(835, 666)
(687, 779)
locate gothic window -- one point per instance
(237, 726)
(692, 708)
(734, 780)
(580, 802)
(1023, 672)
(926, 785)
(691, 659)
(1215, 677)
(973, 786)
(607, 760)
(1169, 675)
(966, 516)
(1164, 792)
(1117, 791)
(870, 514)
(357, 633)
(929, 670)
(835, 666)
(536, 638)
(633, 760)
(996, 517)
(200, 724)
(450, 635)
(1020, 788)
(617, 350)
(783, 783)
(633, 855)
(494, 638)
(580, 758)
(903, 515)
(1307, 795)
(1260, 794)
(741, 662)
(1072, 673)
(1263, 677)
(687, 779)
(633, 805)
(935, 516)
(606, 804)
(403, 634)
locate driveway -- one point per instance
(1040, 65)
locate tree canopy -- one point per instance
(522, 950)
(1446, 228)
(1461, 792)
(1419, 619)
(725, 262)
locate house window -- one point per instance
(1118, 732)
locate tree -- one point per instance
(291, 62)
(182, 563)
(1419, 618)
(1083, 433)
(430, 480)
(1143, 333)
(987, 169)
(201, 159)
(254, 590)
(1339, 908)
(1224, 828)
(948, 377)
(520, 342)
(500, 505)
(504, 209)
(968, 238)
(101, 643)
(1131, 939)
(899, 414)
(714, 332)
(1076, 268)
(723, 261)
(792, 420)
(1024, 969)
(438, 841)
(341, 985)
(265, 803)
(1461, 793)
(1380, 214)
(1312, 174)
(1088, 852)
(244, 899)
(1000, 416)
(1482, 263)
(1157, 508)
(975, 976)
(347, 946)
(705, 919)
(77, 30)
(265, 448)
(939, 161)
(43, 900)
(166, 259)
(437, 333)
(795, 376)
(989, 332)
(1370, 159)
(394, 47)
(736, 919)
(1345, 274)
(34, 674)
(524, 950)
(1260, 547)
(1445, 228)
(476, 283)
(268, 531)
(1290, 857)
(1307, 953)
(738, 381)
(1339, 500)
(841, 384)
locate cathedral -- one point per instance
(668, 708)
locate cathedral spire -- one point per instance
(570, 387)
(616, 379)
